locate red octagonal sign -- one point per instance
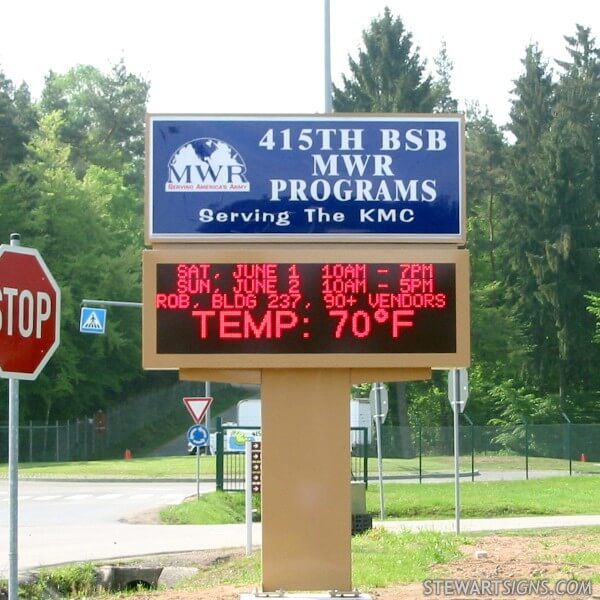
(29, 313)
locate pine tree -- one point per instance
(552, 214)
(388, 75)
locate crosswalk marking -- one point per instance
(172, 497)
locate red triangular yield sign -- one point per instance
(197, 407)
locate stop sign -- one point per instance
(29, 313)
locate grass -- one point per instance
(379, 558)
(71, 581)
(482, 499)
(213, 508)
(173, 467)
(166, 467)
(552, 496)
(238, 570)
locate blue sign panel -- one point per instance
(380, 178)
(197, 435)
(92, 320)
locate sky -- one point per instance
(267, 56)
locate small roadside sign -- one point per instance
(463, 382)
(197, 435)
(93, 320)
(197, 407)
(383, 396)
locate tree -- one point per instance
(77, 227)
(444, 66)
(17, 122)
(103, 117)
(552, 218)
(388, 76)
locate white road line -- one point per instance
(78, 496)
(140, 496)
(47, 497)
(109, 496)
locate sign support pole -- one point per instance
(378, 420)
(197, 473)
(13, 476)
(456, 412)
(248, 496)
(327, 57)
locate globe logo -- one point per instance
(207, 165)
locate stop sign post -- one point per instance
(29, 336)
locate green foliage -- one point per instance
(214, 508)
(487, 499)
(388, 75)
(72, 581)
(382, 558)
(551, 221)
(229, 570)
(78, 227)
(17, 122)
(104, 116)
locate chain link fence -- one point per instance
(101, 435)
(408, 452)
(563, 448)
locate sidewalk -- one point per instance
(45, 546)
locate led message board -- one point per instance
(246, 312)
(305, 178)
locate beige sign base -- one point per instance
(306, 498)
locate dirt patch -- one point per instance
(510, 562)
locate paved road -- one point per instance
(47, 503)
(62, 522)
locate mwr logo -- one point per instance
(207, 165)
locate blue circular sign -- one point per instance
(197, 435)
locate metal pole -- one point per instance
(13, 476)
(420, 452)
(569, 442)
(207, 394)
(87, 301)
(197, 472)
(526, 449)
(13, 462)
(472, 446)
(327, 58)
(378, 418)
(248, 497)
(365, 445)
(456, 451)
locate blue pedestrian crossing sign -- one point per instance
(197, 435)
(93, 320)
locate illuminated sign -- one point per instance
(310, 178)
(249, 308)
